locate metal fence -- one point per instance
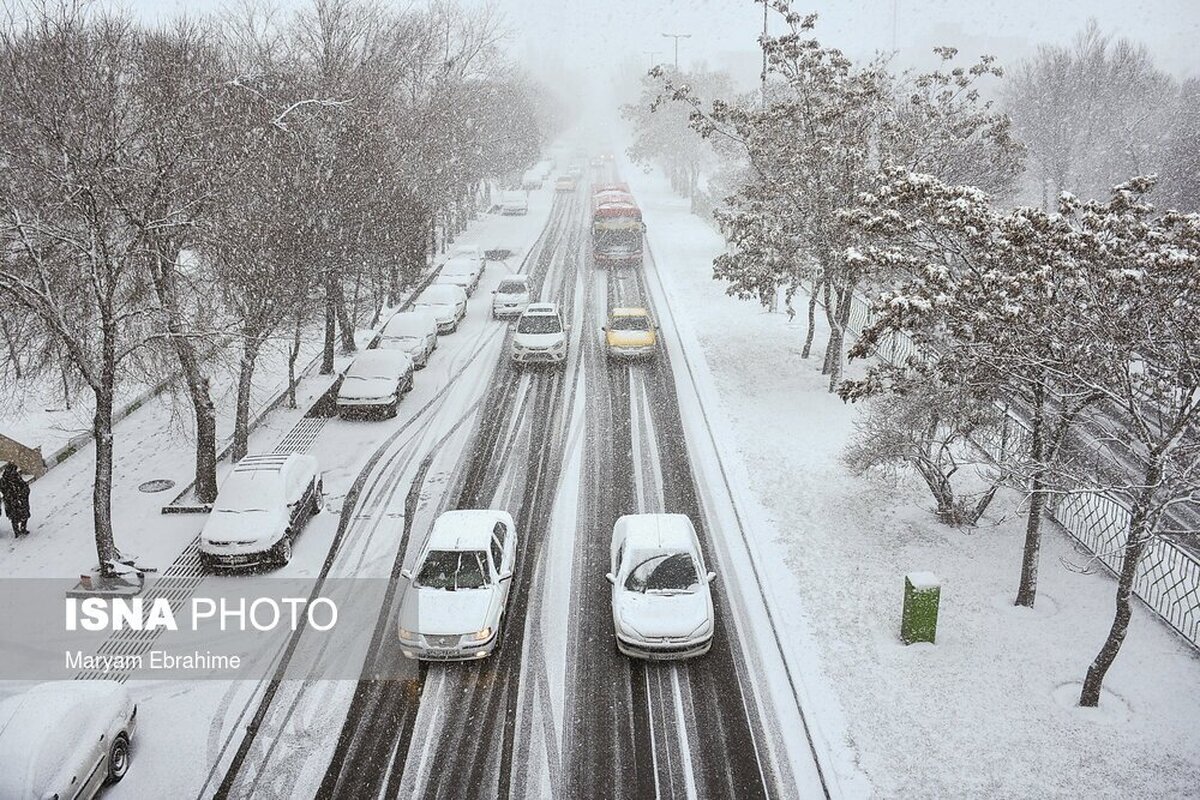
(1168, 577)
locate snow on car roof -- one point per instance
(629, 311)
(666, 532)
(39, 727)
(466, 529)
(460, 265)
(378, 363)
(541, 308)
(441, 293)
(409, 321)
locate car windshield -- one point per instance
(666, 573)
(512, 287)
(542, 323)
(630, 323)
(453, 570)
(400, 337)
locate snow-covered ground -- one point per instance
(989, 711)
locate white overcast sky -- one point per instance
(588, 34)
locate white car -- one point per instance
(511, 297)
(65, 739)
(540, 337)
(412, 332)
(470, 251)
(461, 271)
(448, 304)
(374, 383)
(513, 203)
(662, 605)
(261, 507)
(453, 606)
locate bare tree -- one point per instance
(69, 255)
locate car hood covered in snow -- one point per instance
(658, 615)
(442, 612)
(537, 340)
(630, 338)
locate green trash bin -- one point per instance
(918, 623)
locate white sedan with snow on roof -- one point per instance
(661, 601)
(453, 606)
(261, 507)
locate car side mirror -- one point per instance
(406, 573)
(712, 576)
(611, 578)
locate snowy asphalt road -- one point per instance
(556, 711)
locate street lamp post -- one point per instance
(677, 37)
(653, 54)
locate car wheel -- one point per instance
(318, 501)
(118, 758)
(283, 550)
(393, 409)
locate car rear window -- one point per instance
(512, 287)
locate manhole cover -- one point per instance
(159, 485)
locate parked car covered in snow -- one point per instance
(511, 296)
(461, 271)
(471, 251)
(513, 202)
(374, 383)
(65, 739)
(661, 602)
(261, 506)
(412, 332)
(447, 303)
(453, 606)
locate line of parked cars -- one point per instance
(268, 498)
(453, 605)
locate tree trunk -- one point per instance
(1027, 589)
(197, 383)
(1135, 547)
(102, 421)
(330, 327)
(293, 354)
(344, 323)
(11, 346)
(839, 319)
(241, 425)
(812, 320)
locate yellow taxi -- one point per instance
(630, 333)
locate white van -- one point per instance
(260, 508)
(412, 332)
(375, 382)
(511, 297)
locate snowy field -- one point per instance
(990, 710)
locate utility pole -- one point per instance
(677, 37)
(653, 55)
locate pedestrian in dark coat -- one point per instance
(15, 491)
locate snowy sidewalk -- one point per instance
(999, 688)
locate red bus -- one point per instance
(617, 228)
